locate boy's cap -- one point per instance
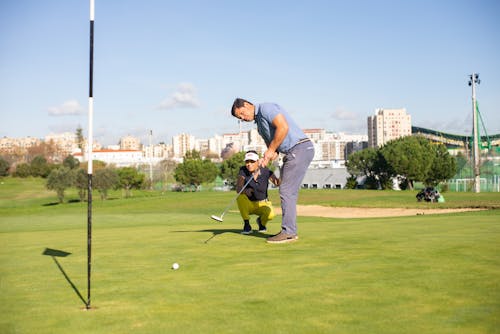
(251, 156)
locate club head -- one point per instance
(217, 218)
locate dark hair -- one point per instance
(252, 151)
(238, 103)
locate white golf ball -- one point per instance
(175, 266)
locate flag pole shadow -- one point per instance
(54, 254)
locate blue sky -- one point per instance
(176, 66)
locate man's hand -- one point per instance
(269, 156)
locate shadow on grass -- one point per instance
(54, 253)
(216, 232)
(51, 204)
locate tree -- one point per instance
(59, 180)
(409, 157)
(71, 162)
(81, 183)
(23, 170)
(372, 164)
(130, 178)
(44, 149)
(105, 179)
(4, 167)
(231, 167)
(79, 137)
(40, 167)
(443, 166)
(194, 171)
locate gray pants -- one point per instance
(295, 164)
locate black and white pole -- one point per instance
(89, 157)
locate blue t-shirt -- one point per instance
(264, 115)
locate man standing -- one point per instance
(281, 135)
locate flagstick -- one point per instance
(90, 144)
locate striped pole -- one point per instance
(89, 159)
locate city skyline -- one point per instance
(177, 69)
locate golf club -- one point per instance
(220, 218)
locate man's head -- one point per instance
(252, 160)
(244, 110)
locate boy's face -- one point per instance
(251, 165)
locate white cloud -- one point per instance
(70, 107)
(184, 96)
(344, 115)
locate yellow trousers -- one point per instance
(263, 209)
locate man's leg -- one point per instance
(294, 169)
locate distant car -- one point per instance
(428, 194)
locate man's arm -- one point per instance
(281, 125)
(275, 180)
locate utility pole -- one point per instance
(150, 160)
(473, 80)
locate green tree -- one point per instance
(81, 183)
(372, 164)
(409, 157)
(230, 168)
(194, 171)
(71, 162)
(40, 167)
(80, 140)
(443, 166)
(23, 170)
(130, 179)
(4, 167)
(105, 179)
(59, 180)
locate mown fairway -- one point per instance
(418, 274)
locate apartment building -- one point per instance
(18, 145)
(182, 144)
(130, 143)
(66, 142)
(386, 125)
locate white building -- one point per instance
(386, 125)
(130, 143)
(120, 158)
(182, 144)
(66, 142)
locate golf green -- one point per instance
(415, 274)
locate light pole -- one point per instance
(473, 80)
(150, 160)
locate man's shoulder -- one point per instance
(269, 107)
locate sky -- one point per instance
(175, 67)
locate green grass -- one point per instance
(419, 274)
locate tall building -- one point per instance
(182, 144)
(130, 143)
(386, 125)
(64, 142)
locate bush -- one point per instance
(4, 167)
